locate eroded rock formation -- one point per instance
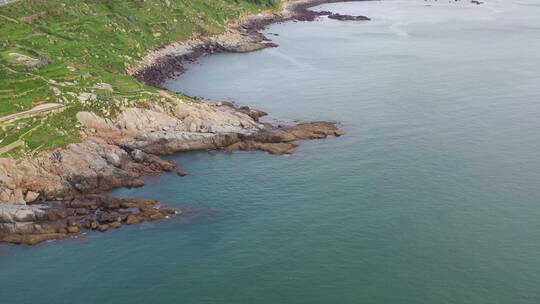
(53, 195)
(58, 193)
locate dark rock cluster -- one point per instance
(51, 220)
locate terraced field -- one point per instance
(76, 52)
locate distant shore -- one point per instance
(242, 36)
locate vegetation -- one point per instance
(75, 52)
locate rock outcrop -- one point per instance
(341, 17)
(58, 193)
(53, 195)
(31, 225)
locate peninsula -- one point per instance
(82, 110)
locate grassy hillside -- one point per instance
(75, 52)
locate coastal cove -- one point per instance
(431, 197)
(56, 193)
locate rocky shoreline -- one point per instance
(60, 192)
(33, 224)
(242, 36)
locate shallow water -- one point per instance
(431, 197)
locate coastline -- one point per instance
(242, 36)
(60, 192)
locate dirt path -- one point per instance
(11, 146)
(44, 108)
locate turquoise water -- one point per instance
(433, 195)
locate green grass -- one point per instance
(75, 44)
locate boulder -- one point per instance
(31, 196)
(103, 227)
(73, 229)
(133, 219)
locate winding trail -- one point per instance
(11, 146)
(44, 108)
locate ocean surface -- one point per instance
(433, 195)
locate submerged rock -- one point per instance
(181, 172)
